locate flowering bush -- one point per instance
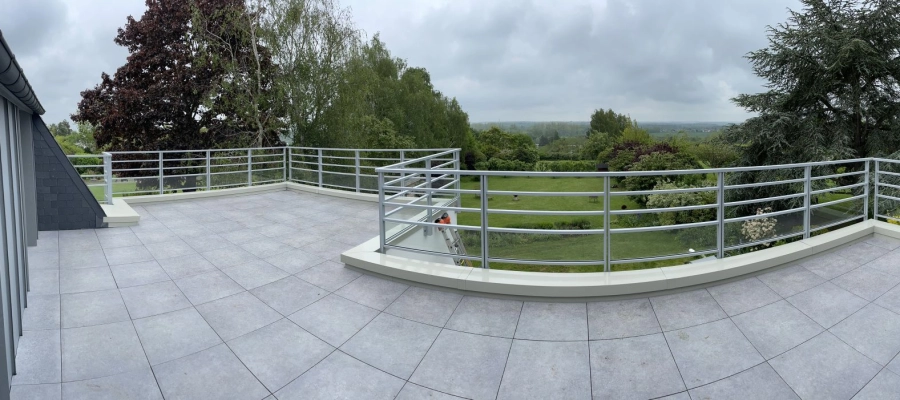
(758, 229)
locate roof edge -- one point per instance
(13, 79)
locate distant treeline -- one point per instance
(565, 129)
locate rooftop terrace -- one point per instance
(245, 298)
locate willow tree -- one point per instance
(832, 75)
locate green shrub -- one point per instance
(565, 166)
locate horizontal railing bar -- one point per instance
(667, 191)
(833, 224)
(542, 212)
(660, 258)
(888, 185)
(431, 252)
(838, 201)
(764, 215)
(763, 241)
(817, 178)
(838, 188)
(882, 196)
(582, 263)
(545, 231)
(663, 227)
(661, 210)
(761, 184)
(425, 223)
(888, 173)
(765, 199)
(553, 194)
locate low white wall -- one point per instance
(602, 284)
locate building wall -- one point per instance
(63, 200)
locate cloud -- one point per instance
(502, 59)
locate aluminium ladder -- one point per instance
(456, 246)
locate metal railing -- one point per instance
(136, 173)
(739, 210)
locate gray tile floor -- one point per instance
(245, 298)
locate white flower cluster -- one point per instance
(758, 229)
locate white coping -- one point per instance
(601, 284)
(120, 214)
(270, 187)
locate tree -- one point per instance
(61, 128)
(496, 143)
(609, 122)
(166, 97)
(832, 72)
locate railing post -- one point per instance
(107, 177)
(356, 154)
(284, 164)
(875, 203)
(428, 197)
(607, 242)
(402, 174)
(290, 164)
(320, 167)
(720, 215)
(249, 167)
(381, 212)
(458, 198)
(161, 173)
(484, 223)
(866, 192)
(208, 172)
(807, 200)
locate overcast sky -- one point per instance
(504, 60)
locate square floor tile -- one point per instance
(294, 261)
(51, 391)
(623, 318)
(156, 298)
(861, 252)
(340, 376)
(759, 382)
(130, 385)
(412, 391)
(791, 280)
(890, 300)
(553, 321)
(44, 260)
(38, 358)
(887, 263)
(545, 370)
(327, 248)
(686, 309)
(190, 377)
(885, 385)
(242, 236)
(827, 304)
(867, 283)
(181, 267)
(207, 287)
(872, 331)
(85, 280)
(464, 364)
(102, 350)
(44, 281)
(371, 291)
(92, 308)
(137, 274)
(170, 249)
(432, 307)
(224, 258)
(743, 295)
(329, 275)
(155, 235)
(289, 295)
(486, 316)
(776, 328)
(82, 259)
(825, 368)
(392, 344)
(884, 242)
(207, 242)
(266, 247)
(127, 255)
(126, 239)
(254, 274)
(42, 312)
(280, 352)
(709, 352)
(174, 335)
(622, 368)
(236, 315)
(829, 266)
(334, 319)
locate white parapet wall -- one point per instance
(602, 284)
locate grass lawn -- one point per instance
(569, 247)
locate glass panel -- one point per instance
(762, 229)
(834, 213)
(546, 247)
(662, 243)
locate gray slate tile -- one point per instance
(170, 249)
(137, 385)
(237, 315)
(743, 295)
(432, 307)
(182, 267)
(329, 275)
(229, 257)
(207, 287)
(42, 312)
(253, 274)
(38, 359)
(189, 377)
(829, 266)
(890, 300)
(872, 331)
(280, 352)
(888, 263)
(791, 280)
(156, 298)
(174, 335)
(340, 376)
(553, 321)
(686, 309)
(44, 259)
(125, 239)
(72, 259)
(334, 319)
(621, 368)
(92, 308)
(392, 344)
(710, 352)
(85, 280)
(266, 247)
(486, 316)
(102, 350)
(544, 370)
(861, 252)
(623, 318)
(464, 365)
(127, 255)
(142, 273)
(867, 283)
(885, 385)
(827, 304)
(758, 383)
(44, 282)
(289, 295)
(776, 328)
(824, 368)
(884, 242)
(294, 261)
(51, 391)
(372, 291)
(412, 391)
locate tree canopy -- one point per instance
(832, 75)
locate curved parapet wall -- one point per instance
(602, 284)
